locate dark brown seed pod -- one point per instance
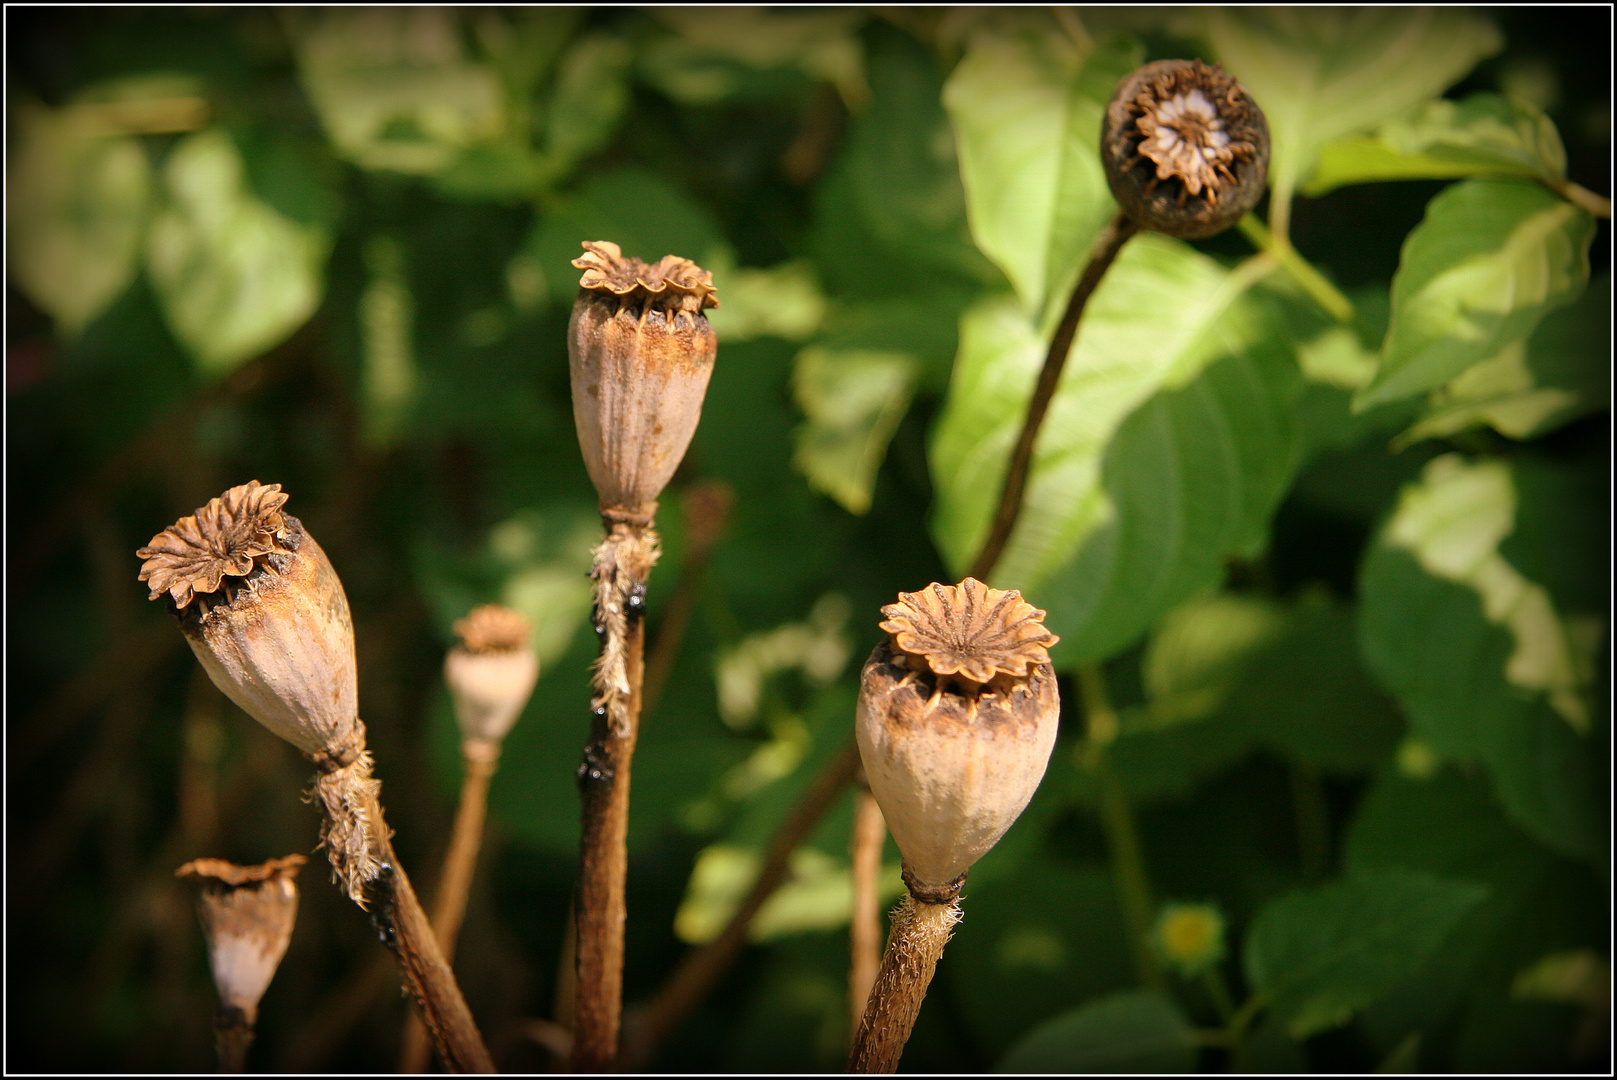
(641, 352)
(1185, 148)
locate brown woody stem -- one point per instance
(233, 1032)
(864, 931)
(702, 967)
(1107, 245)
(920, 930)
(622, 564)
(481, 759)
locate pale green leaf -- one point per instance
(395, 88)
(854, 400)
(1138, 1031)
(783, 301)
(1484, 135)
(816, 895)
(77, 198)
(1318, 956)
(590, 96)
(1322, 73)
(1026, 102)
(233, 275)
(1200, 651)
(1157, 319)
(717, 54)
(1490, 259)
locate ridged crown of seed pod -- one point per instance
(264, 612)
(1185, 148)
(958, 712)
(491, 672)
(247, 915)
(641, 353)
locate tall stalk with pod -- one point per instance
(640, 351)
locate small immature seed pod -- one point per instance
(1185, 148)
(957, 717)
(491, 673)
(262, 608)
(641, 352)
(247, 914)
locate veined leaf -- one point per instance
(1321, 73)
(1318, 956)
(1491, 258)
(1026, 102)
(854, 400)
(234, 276)
(1484, 135)
(77, 198)
(1135, 1031)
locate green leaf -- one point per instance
(722, 54)
(1135, 1031)
(1490, 259)
(817, 894)
(1559, 373)
(1320, 74)
(234, 276)
(1318, 956)
(1478, 656)
(1161, 315)
(1200, 652)
(783, 301)
(588, 100)
(1026, 102)
(77, 199)
(854, 400)
(1485, 134)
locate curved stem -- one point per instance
(864, 924)
(919, 933)
(1317, 285)
(1597, 205)
(454, 886)
(1110, 242)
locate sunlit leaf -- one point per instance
(235, 276)
(77, 199)
(1485, 134)
(1491, 259)
(1200, 651)
(783, 301)
(1026, 101)
(1318, 956)
(854, 400)
(1321, 73)
(1135, 1031)
(719, 53)
(816, 895)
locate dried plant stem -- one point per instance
(1107, 245)
(481, 759)
(623, 562)
(406, 930)
(702, 967)
(920, 930)
(864, 932)
(233, 1031)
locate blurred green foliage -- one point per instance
(1345, 581)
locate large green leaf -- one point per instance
(854, 400)
(77, 198)
(234, 275)
(1135, 1031)
(1026, 101)
(1490, 259)
(1162, 314)
(1482, 662)
(1318, 956)
(1321, 73)
(1486, 134)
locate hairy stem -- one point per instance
(920, 931)
(623, 562)
(1110, 242)
(864, 931)
(702, 967)
(454, 884)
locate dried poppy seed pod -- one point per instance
(957, 717)
(247, 914)
(491, 674)
(1185, 148)
(262, 608)
(641, 352)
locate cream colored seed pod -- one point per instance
(491, 673)
(641, 352)
(247, 915)
(265, 613)
(957, 717)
